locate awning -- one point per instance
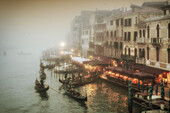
(143, 75)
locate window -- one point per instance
(124, 36)
(125, 22)
(135, 52)
(122, 22)
(121, 45)
(143, 53)
(157, 54)
(125, 51)
(135, 35)
(129, 36)
(107, 34)
(140, 55)
(117, 22)
(169, 30)
(140, 33)
(116, 45)
(144, 33)
(148, 53)
(148, 31)
(130, 22)
(111, 33)
(168, 55)
(136, 20)
(111, 22)
(157, 29)
(115, 33)
(129, 51)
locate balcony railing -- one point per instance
(140, 60)
(98, 43)
(128, 57)
(156, 42)
(91, 44)
(141, 40)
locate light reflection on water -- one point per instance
(17, 77)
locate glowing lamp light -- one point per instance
(62, 44)
(62, 52)
(72, 50)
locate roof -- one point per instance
(158, 18)
(154, 4)
(143, 75)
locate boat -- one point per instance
(142, 99)
(39, 88)
(74, 94)
(42, 74)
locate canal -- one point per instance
(17, 93)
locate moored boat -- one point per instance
(39, 87)
(142, 99)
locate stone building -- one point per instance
(134, 34)
(158, 42)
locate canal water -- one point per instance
(17, 93)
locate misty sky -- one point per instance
(40, 24)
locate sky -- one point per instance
(40, 24)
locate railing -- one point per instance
(98, 43)
(128, 57)
(140, 60)
(91, 44)
(140, 40)
(156, 42)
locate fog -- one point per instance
(34, 25)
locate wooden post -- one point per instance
(130, 95)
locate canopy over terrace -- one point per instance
(79, 60)
(131, 73)
(99, 60)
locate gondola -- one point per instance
(39, 88)
(74, 94)
(62, 81)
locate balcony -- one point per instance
(91, 44)
(128, 57)
(98, 43)
(157, 42)
(140, 60)
(141, 40)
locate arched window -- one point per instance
(129, 51)
(135, 52)
(111, 33)
(157, 29)
(169, 30)
(140, 33)
(148, 31)
(140, 53)
(148, 53)
(144, 33)
(107, 34)
(143, 53)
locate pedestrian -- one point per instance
(65, 75)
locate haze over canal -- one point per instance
(17, 77)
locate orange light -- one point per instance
(137, 71)
(121, 62)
